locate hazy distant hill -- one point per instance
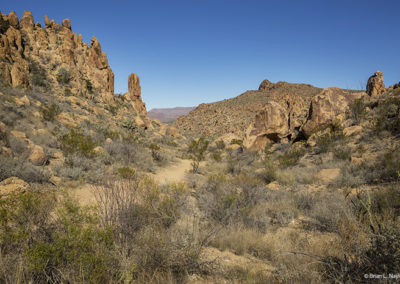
(168, 115)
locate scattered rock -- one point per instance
(349, 131)
(12, 185)
(356, 161)
(327, 175)
(37, 156)
(6, 151)
(3, 129)
(24, 101)
(99, 150)
(375, 85)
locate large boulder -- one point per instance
(375, 85)
(279, 121)
(13, 20)
(270, 125)
(328, 107)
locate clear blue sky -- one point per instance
(188, 52)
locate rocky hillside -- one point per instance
(234, 115)
(168, 115)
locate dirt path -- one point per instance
(173, 173)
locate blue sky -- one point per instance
(188, 52)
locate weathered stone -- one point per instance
(27, 22)
(375, 85)
(3, 129)
(47, 22)
(13, 20)
(37, 156)
(24, 101)
(12, 185)
(328, 107)
(349, 131)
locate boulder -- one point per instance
(12, 185)
(327, 175)
(3, 129)
(270, 125)
(375, 85)
(24, 101)
(349, 131)
(99, 150)
(328, 107)
(266, 85)
(27, 22)
(37, 156)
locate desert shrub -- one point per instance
(50, 112)
(388, 116)
(127, 172)
(129, 124)
(38, 75)
(197, 149)
(75, 141)
(343, 153)
(389, 166)
(17, 145)
(67, 92)
(220, 144)
(10, 167)
(269, 172)
(290, 157)
(63, 76)
(357, 110)
(76, 250)
(217, 156)
(329, 211)
(89, 86)
(237, 142)
(333, 136)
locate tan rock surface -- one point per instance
(37, 156)
(326, 108)
(12, 185)
(327, 175)
(375, 85)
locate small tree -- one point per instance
(197, 149)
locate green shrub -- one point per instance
(217, 156)
(357, 110)
(129, 124)
(49, 113)
(197, 149)
(291, 157)
(237, 142)
(89, 86)
(127, 172)
(388, 116)
(38, 75)
(76, 248)
(75, 141)
(220, 144)
(63, 76)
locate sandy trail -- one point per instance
(173, 173)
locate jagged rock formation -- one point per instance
(134, 94)
(235, 115)
(375, 85)
(53, 57)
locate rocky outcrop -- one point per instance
(53, 57)
(134, 95)
(375, 85)
(279, 120)
(328, 107)
(236, 114)
(266, 85)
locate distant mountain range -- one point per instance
(168, 115)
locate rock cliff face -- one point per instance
(53, 57)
